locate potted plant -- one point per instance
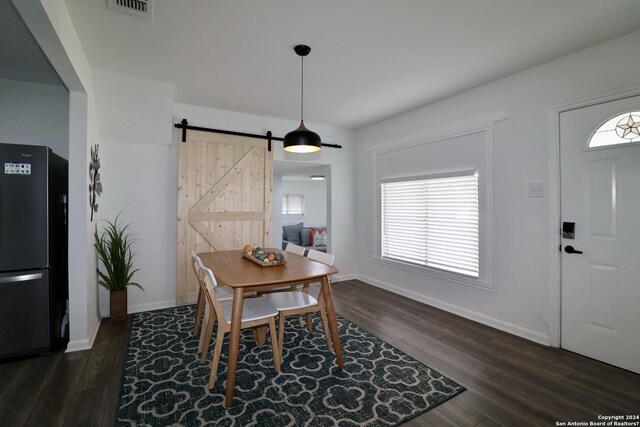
(114, 253)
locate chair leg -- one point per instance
(203, 332)
(280, 333)
(305, 289)
(216, 355)
(206, 319)
(309, 323)
(325, 324)
(207, 337)
(277, 355)
(199, 312)
(260, 335)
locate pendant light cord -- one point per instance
(302, 89)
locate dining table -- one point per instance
(231, 268)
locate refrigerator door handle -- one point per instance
(21, 278)
(64, 208)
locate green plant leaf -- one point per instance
(113, 248)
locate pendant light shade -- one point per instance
(302, 140)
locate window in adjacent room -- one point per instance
(293, 204)
(622, 129)
(432, 222)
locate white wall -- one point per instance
(35, 114)
(522, 226)
(132, 109)
(50, 24)
(315, 201)
(140, 182)
(139, 176)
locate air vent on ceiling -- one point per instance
(142, 8)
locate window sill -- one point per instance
(440, 274)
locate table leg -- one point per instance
(331, 314)
(234, 343)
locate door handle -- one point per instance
(570, 250)
(21, 278)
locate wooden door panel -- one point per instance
(224, 199)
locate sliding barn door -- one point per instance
(224, 199)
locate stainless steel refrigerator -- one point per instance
(33, 250)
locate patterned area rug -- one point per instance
(164, 382)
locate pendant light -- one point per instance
(302, 140)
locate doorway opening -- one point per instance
(301, 196)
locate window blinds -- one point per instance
(293, 204)
(432, 222)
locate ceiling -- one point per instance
(20, 56)
(370, 59)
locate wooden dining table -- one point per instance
(231, 268)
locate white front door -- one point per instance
(600, 193)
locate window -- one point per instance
(432, 222)
(293, 204)
(621, 129)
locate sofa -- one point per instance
(301, 236)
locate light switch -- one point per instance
(536, 189)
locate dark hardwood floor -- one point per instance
(66, 389)
(509, 380)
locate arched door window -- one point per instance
(622, 129)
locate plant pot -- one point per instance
(118, 305)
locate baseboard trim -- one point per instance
(139, 308)
(343, 278)
(84, 344)
(508, 327)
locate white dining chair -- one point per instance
(294, 249)
(225, 296)
(300, 302)
(255, 312)
(315, 291)
(322, 257)
(225, 293)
